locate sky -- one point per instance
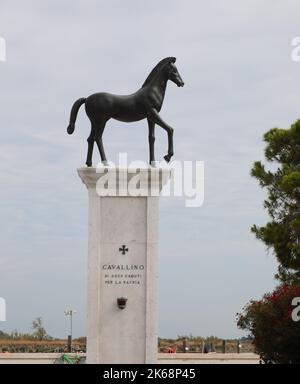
(240, 81)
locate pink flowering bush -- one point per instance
(276, 336)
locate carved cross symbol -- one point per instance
(124, 249)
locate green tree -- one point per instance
(282, 183)
(270, 320)
(39, 331)
(4, 335)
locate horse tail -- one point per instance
(78, 103)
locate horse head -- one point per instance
(172, 73)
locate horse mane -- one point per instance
(157, 68)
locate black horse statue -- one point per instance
(146, 103)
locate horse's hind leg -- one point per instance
(99, 128)
(90, 140)
(101, 150)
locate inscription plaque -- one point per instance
(123, 274)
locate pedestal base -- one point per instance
(122, 266)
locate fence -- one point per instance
(45, 346)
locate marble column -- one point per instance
(123, 263)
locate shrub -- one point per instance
(276, 335)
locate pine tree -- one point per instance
(282, 182)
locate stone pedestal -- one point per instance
(123, 263)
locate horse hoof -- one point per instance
(154, 164)
(88, 163)
(167, 158)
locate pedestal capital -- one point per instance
(116, 181)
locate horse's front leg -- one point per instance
(151, 139)
(155, 118)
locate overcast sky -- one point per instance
(235, 59)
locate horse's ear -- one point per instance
(173, 59)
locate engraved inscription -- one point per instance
(123, 274)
